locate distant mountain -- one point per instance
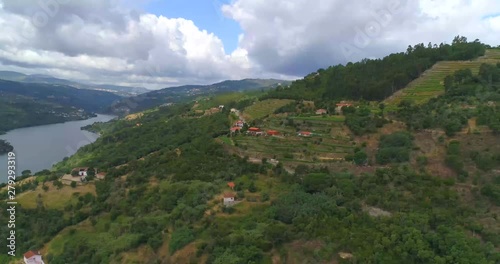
(47, 79)
(175, 94)
(88, 100)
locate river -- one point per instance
(38, 148)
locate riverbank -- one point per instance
(5, 147)
(38, 148)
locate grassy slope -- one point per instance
(430, 84)
(263, 108)
(53, 198)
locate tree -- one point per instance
(26, 173)
(381, 106)
(252, 188)
(73, 184)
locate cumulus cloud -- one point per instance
(298, 37)
(103, 41)
(111, 41)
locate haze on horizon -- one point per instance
(156, 44)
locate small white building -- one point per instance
(32, 257)
(228, 199)
(81, 171)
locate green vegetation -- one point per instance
(297, 199)
(19, 111)
(60, 95)
(264, 108)
(395, 148)
(431, 83)
(5, 147)
(362, 121)
(377, 79)
(466, 96)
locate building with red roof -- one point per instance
(229, 199)
(304, 134)
(272, 132)
(32, 257)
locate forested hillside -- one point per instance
(19, 111)
(375, 80)
(182, 93)
(89, 100)
(360, 185)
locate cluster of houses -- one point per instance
(32, 257)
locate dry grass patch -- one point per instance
(53, 198)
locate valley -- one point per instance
(322, 170)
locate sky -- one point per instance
(164, 43)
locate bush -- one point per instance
(395, 148)
(180, 238)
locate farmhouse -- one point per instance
(239, 123)
(272, 133)
(304, 134)
(235, 129)
(339, 106)
(80, 172)
(254, 131)
(321, 112)
(32, 257)
(229, 199)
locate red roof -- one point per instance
(273, 132)
(228, 195)
(305, 133)
(231, 184)
(30, 254)
(235, 128)
(254, 129)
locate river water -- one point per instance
(38, 148)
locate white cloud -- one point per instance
(109, 41)
(108, 44)
(298, 37)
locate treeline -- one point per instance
(5, 147)
(376, 79)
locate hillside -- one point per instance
(180, 93)
(310, 185)
(18, 111)
(88, 100)
(431, 83)
(375, 80)
(47, 79)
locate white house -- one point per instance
(32, 257)
(81, 171)
(228, 199)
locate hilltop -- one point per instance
(47, 79)
(186, 92)
(298, 181)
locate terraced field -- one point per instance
(430, 84)
(329, 142)
(263, 108)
